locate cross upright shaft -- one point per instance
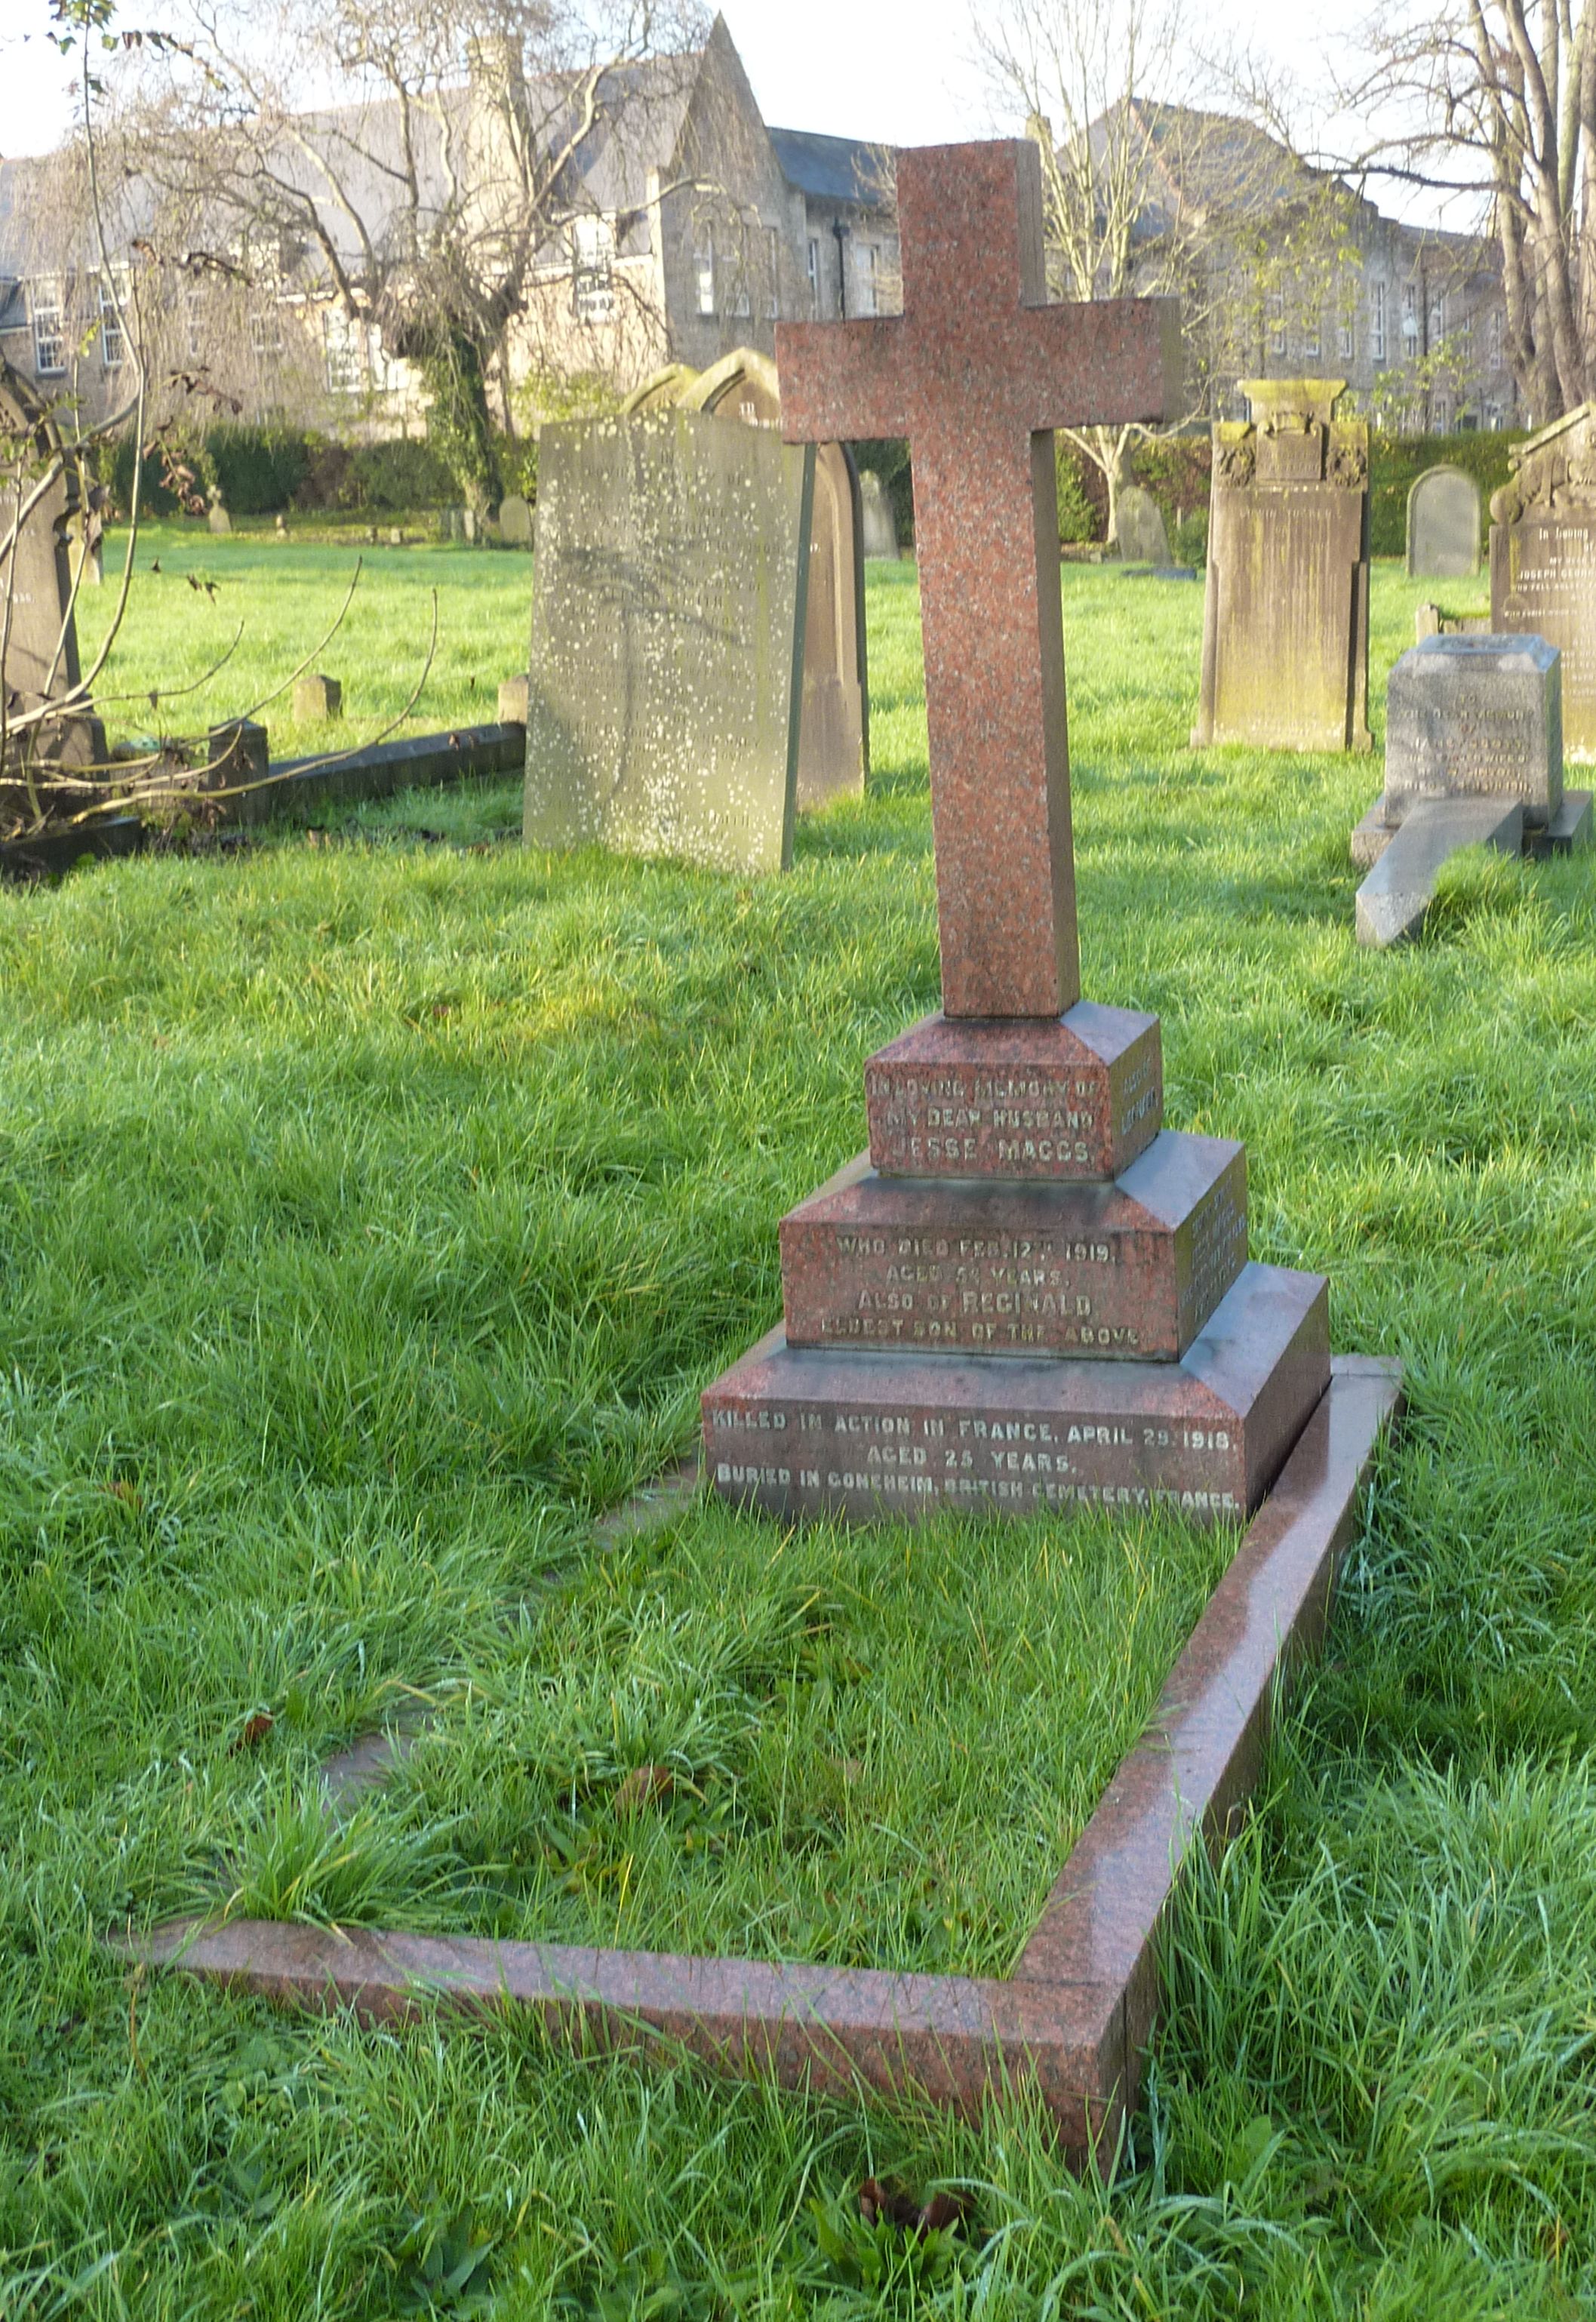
(977, 372)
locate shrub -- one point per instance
(398, 475)
(1079, 516)
(258, 468)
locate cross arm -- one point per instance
(841, 381)
(1106, 362)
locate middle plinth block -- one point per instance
(1132, 1268)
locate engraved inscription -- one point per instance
(916, 1455)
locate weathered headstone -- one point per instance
(1443, 526)
(1285, 646)
(834, 732)
(1543, 559)
(1019, 1208)
(216, 516)
(514, 521)
(878, 525)
(1465, 716)
(39, 661)
(1142, 539)
(669, 600)
(1473, 727)
(315, 698)
(512, 701)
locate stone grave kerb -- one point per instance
(978, 371)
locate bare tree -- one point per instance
(1148, 194)
(437, 184)
(1493, 104)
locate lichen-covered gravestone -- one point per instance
(880, 525)
(514, 521)
(39, 663)
(1285, 646)
(834, 725)
(1027, 1294)
(1543, 559)
(1142, 539)
(668, 604)
(1443, 526)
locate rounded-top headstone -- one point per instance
(1142, 536)
(514, 521)
(1443, 526)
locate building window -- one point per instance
(345, 370)
(1437, 318)
(50, 337)
(772, 273)
(1409, 319)
(1310, 337)
(1441, 414)
(1346, 342)
(1493, 416)
(814, 279)
(704, 267)
(1493, 338)
(1377, 321)
(866, 258)
(194, 337)
(592, 268)
(113, 344)
(743, 303)
(266, 330)
(1277, 323)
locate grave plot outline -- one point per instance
(1074, 2018)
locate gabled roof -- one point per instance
(831, 169)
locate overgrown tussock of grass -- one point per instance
(373, 1212)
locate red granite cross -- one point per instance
(977, 371)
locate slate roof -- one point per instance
(831, 169)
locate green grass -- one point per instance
(372, 1213)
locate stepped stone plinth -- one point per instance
(1027, 1294)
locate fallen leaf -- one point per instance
(255, 1731)
(645, 1786)
(941, 2213)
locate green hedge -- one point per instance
(1396, 461)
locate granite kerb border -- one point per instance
(1074, 2018)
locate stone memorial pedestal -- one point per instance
(1474, 756)
(1285, 641)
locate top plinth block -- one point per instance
(1053, 1100)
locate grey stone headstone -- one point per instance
(1142, 539)
(514, 521)
(1476, 715)
(218, 518)
(880, 525)
(1393, 898)
(1443, 526)
(512, 701)
(668, 608)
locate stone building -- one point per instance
(1292, 273)
(687, 227)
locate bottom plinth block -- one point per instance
(798, 1431)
